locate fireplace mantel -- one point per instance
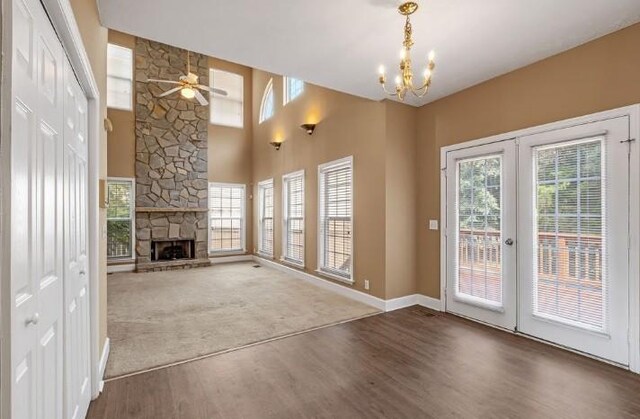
(170, 209)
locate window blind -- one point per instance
(227, 212)
(267, 106)
(571, 263)
(119, 77)
(227, 110)
(266, 218)
(120, 219)
(479, 209)
(293, 186)
(336, 214)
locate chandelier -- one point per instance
(404, 81)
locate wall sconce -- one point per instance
(309, 128)
(276, 144)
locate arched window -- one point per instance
(267, 107)
(292, 89)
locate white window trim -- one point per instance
(320, 270)
(267, 89)
(212, 98)
(132, 80)
(133, 218)
(261, 186)
(285, 217)
(243, 232)
(286, 94)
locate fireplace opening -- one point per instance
(165, 250)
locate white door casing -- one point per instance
(591, 297)
(490, 253)
(36, 208)
(76, 294)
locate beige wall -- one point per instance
(401, 200)
(348, 126)
(603, 74)
(94, 37)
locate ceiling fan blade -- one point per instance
(168, 92)
(201, 98)
(212, 90)
(163, 81)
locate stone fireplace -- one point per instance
(171, 162)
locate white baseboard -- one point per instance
(129, 267)
(229, 259)
(322, 283)
(429, 302)
(103, 361)
(379, 303)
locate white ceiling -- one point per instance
(341, 43)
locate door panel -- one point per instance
(480, 219)
(573, 200)
(77, 332)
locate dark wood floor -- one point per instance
(403, 364)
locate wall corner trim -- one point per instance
(106, 349)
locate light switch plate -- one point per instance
(433, 224)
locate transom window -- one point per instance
(265, 229)
(227, 217)
(293, 218)
(292, 88)
(120, 214)
(119, 77)
(227, 110)
(267, 106)
(335, 239)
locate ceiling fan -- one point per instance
(188, 86)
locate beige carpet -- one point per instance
(160, 318)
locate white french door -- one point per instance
(481, 226)
(567, 190)
(573, 224)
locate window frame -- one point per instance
(131, 80)
(285, 218)
(213, 98)
(321, 269)
(132, 217)
(243, 221)
(262, 186)
(268, 92)
(286, 91)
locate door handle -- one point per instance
(33, 320)
(509, 242)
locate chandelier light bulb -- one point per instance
(427, 73)
(403, 53)
(398, 81)
(432, 56)
(381, 70)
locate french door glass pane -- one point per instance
(570, 278)
(479, 208)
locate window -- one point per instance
(293, 218)
(292, 88)
(227, 110)
(265, 228)
(335, 238)
(119, 77)
(226, 215)
(267, 106)
(120, 227)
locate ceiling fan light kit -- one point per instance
(404, 81)
(188, 86)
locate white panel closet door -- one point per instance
(76, 294)
(36, 210)
(481, 233)
(574, 233)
